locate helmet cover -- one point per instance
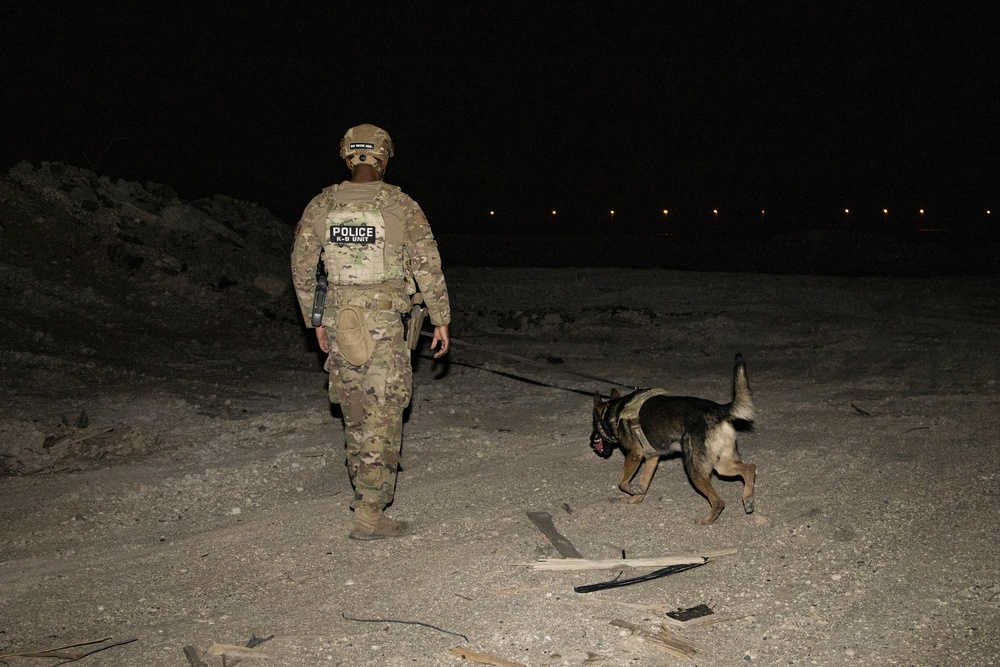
(364, 142)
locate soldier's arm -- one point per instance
(425, 264)
(305, 255)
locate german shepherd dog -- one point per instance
(702, 431)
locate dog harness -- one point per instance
(629, 416)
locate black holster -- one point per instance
(319, 297)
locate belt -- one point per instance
(371, 299)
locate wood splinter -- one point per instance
(484, 658)
(665, 640)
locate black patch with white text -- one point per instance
(361, 145)
(363, 234)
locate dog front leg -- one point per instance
(632, 461)
(648, 468)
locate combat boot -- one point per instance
(371, 524)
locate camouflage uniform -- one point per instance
(379, 275)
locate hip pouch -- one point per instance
(354, 340)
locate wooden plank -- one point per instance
(231, 650)
(612, 563)
(484, 658)
(703, 621)
(543, 521)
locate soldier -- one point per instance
(377, 249)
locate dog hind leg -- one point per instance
(732, 466)
(699, 470)
(703, 482)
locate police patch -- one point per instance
(364, 234)
(361, 146)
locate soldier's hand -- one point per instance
(322, 339)
(442, 338)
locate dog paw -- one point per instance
(632, 500)
(748, 505)
(709, 518)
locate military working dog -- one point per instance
(649, 424)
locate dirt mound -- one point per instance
(70, 226)
(111, 285)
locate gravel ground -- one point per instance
(172, 474)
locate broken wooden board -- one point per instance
(702, 621)
(484, 658)
(231, 650)
(664, 640)
(614, 563)
(543, 521)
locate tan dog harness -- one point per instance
(629, 416)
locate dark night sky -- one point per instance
(518, 107)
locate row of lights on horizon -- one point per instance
(715, 212)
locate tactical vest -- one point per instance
(362, 246)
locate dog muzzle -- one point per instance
(599, 447)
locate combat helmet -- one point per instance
(366, 144)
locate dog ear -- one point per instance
(615, 395)
(597, 399)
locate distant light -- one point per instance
(492, 212)
(715, 211)
(847, 211)
(885, 211)
(988, 211)
(612, 213)
(665, 211)
(921, 211)
(762, 211)
(553, 211)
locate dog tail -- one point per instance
(742, 405)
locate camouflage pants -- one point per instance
(372, 398)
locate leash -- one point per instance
(532, 362)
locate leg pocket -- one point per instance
(354, 340)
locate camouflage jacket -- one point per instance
(422, 261)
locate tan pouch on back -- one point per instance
(353, 338)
